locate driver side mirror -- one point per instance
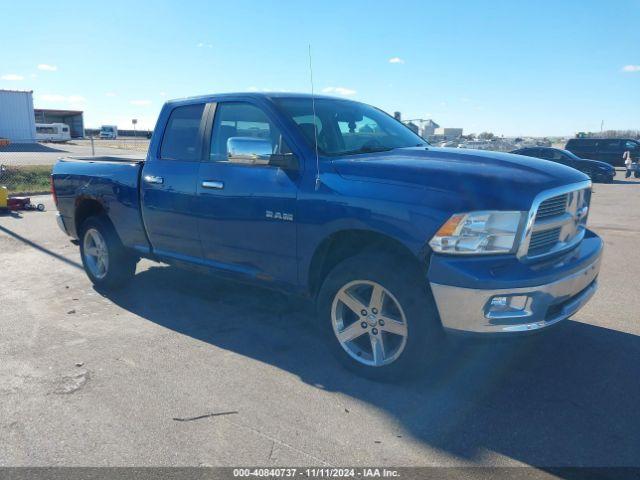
(257, 151)
(248, 150)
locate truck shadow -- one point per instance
(569, 397)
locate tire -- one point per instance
(112, 271)
(408, 350)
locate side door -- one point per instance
(583, 148)
(610, 151)
(246, 205)
(168, 186)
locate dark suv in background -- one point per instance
(608, 150)
(597, 171)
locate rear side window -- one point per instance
(181, 139)
(609, 145)
(581, 143)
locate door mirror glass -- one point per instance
(250, 150)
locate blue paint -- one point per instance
(405, 194)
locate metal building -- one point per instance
(17, 122)
(448, 133)
(73, 118)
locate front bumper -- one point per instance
(479, 301)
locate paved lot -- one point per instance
(87, 379)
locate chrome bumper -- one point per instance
(471, 310)
(61, 224)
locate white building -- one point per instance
(17, 121)
(448, 133)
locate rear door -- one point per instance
(247, 207)
(610, 151)
(168, 186)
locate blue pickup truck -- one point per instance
(396, 242)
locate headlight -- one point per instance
(479, 233)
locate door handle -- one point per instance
(213, 184)
(153, 179)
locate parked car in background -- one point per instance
(396, 241)
(608, 150)
(109, 132)
(597, 171)
(52, 132)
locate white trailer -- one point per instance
(52, 132)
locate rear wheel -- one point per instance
(106, 261)
(378, 317)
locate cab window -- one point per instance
(181, 139)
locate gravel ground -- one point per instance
(94, 380)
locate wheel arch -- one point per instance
(343, 244)
(86, 207)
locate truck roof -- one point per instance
(261, 95)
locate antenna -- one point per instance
(315, 125)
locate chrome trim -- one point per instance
(549, 223)
(465, 309)
(523, 248)
(153, 179)
(213, 184)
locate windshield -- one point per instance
(571, 155)
(347, 128)
(107, 129)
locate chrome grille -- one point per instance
(553, 206)
(543, 241)
(557, 221)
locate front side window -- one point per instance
(181, 139)
(629, 145)
(346, 127)
(556, 156)
(246, 128)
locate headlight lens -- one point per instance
(478, 233)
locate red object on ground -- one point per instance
(18, 203)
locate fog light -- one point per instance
(508, 306)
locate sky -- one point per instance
(540, 68)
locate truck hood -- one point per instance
(484, 179)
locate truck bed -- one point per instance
(109, 181)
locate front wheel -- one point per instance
(378, 317)
(106, 261)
